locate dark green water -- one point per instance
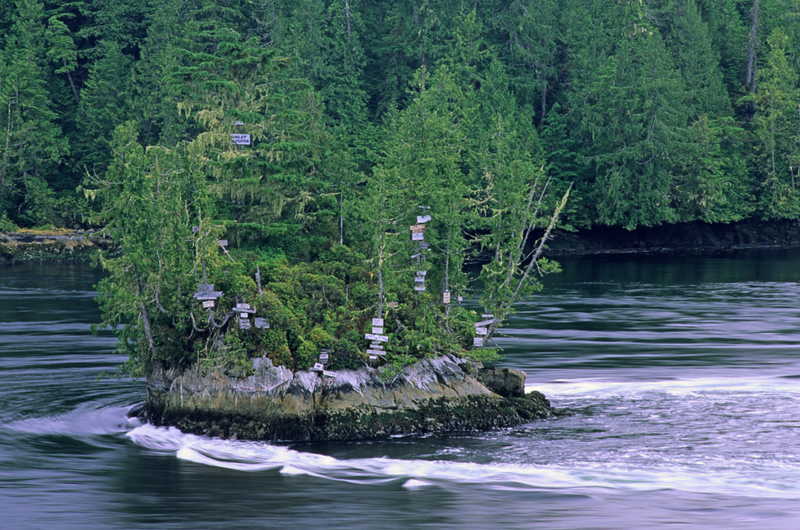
(683, 373)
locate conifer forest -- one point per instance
(327, 162)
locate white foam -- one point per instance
(770, 479)
(680, 387)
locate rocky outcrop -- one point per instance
(32, 245)
(434, 396)
(505, 382)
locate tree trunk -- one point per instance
(750, 75)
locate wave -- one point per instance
(785, 385)
(767, 480)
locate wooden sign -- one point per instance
(326, 373)
(487, 315)
(446, 297)
(377, 331)
(423, 218)
(460, 299)
(239, 307)
(376, 345)
(420, 255)
(419, 287)
(240, 139)
(483, 323)
(376, 352)
(376, 338)
(208, 304)
(417, 228)
(424, 246)
(211, 295)
(323, 358)
(372, 358)
(223, 242)
(377, 322)
(393, 305)
(477, 342)
(419, 236)
(261, 323)
(205, 287)
(482, 331)
(244, 323)
(419, 279)
(237, 122)
(317, 367)
(422, 273)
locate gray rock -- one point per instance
(505, 382)
(433, 396)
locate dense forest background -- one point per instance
(657, 111)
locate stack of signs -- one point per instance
(482, 329)
(244, 315)
(418, 234)
(206, 294)
(419, 281)
(377, 338)
(324, 356)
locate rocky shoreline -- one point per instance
(439, 395)
(38, 245)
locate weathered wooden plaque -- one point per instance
(482, 331)
(261, 323)
(376, 338)
(242, 306)
(327, 373)
(376, 352)
(418, 236)
(446, 297)
(208, 304)
(419, 279)
(317, 367)
(223, 242)
(419, 287)
(487, 315)
(393, 305)
(377, 331)
(377, 322)
(477, 342)
(423, 218)
(484, 323)
(416, 229)
(244, 323)
(422, 273)
(240, 139)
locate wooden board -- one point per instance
(376, 338)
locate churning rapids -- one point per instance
(683, 373)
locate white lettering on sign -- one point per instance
(326, 373)
(376, 338)
(376, 352)
(419, 279)
(417, 236)
(377, 322)
(242, 306)
(378, 331)
(487, 315)
(240, 139)
(208, 303)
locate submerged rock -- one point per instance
(438, 395)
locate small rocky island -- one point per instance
(443, 394)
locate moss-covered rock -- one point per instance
(434, 396)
